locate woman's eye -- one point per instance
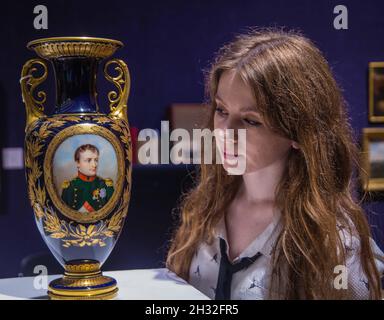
(220, 111)
(252, 122)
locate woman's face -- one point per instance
(237, 109)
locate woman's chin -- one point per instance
(235, 166)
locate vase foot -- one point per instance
(83, 280)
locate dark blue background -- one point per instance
(168, 44)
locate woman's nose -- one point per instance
(231, 130)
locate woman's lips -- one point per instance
(230, 156)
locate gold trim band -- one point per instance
(73, 39)
(82, 275)
(91, 295)
(49, 48)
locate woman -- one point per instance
(287, 228)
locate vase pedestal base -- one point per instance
(83, 280)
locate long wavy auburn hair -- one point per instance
(298, 98)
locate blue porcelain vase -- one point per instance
(78, 160)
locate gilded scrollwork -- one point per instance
(28, 82)
(122, 81)
(72, 233)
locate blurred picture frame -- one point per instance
(376, 92)
(373, 159)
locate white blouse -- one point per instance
(253, 282)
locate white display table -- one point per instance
(146, 284)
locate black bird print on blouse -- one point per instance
(227, 269)
(197, 272)
(214, 258)
(253, 284)
(365, 283)
(348, 249)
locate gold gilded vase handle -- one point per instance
(34, 106)
(122, 81)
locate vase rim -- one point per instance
(56, 47)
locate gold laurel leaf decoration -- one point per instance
(102, 120)
(81, 235)
(71, 118)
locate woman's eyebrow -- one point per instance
(250, 109)
(245, 109)
(219, 99)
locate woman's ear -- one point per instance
(295, 145)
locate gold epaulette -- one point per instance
(109, 182)
(65, 184)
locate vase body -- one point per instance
(78, 161)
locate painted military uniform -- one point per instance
(87, 194)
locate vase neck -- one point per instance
(76, 84)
